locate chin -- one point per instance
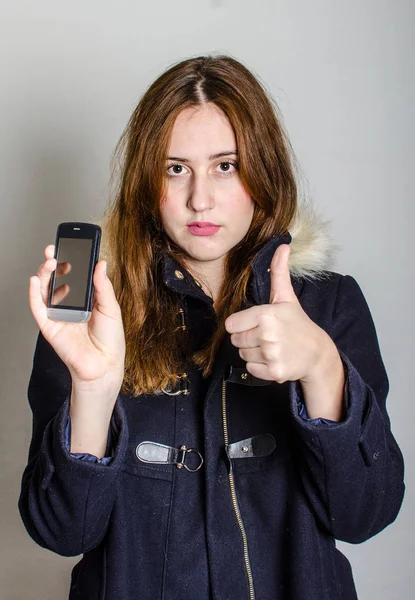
(206, 256)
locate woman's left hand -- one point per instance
(278, 341)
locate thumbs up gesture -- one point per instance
(278, 341)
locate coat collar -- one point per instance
(312, 255)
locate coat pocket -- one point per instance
(135, 467)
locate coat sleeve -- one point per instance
(65, 503)
(353, 471)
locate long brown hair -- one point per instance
(134, 242)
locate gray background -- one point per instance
(343, 75)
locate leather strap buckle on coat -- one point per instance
(253, 447)
(160, 454)
(241, 375)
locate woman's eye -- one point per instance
(175, 170)
(227, 167)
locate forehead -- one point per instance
(202, 130)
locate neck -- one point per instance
(209, 274)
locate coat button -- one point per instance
(179, 274)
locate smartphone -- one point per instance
(71, 290)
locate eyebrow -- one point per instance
(211, 157)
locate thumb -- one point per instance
(105, 301)
(281, 287)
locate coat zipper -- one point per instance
(235, 500)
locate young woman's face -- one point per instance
(206, 209)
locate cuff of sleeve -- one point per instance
(302, 409)
(105, 460)
(363, 427)
(57, 456)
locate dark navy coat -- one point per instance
(260, 518)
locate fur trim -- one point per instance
(312, 248)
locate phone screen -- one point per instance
(76, 252)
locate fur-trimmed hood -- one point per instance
(312, 248)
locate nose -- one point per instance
(201, 196)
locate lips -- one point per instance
(203, 228)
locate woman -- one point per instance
(221, 418)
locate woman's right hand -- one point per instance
(93, 351)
